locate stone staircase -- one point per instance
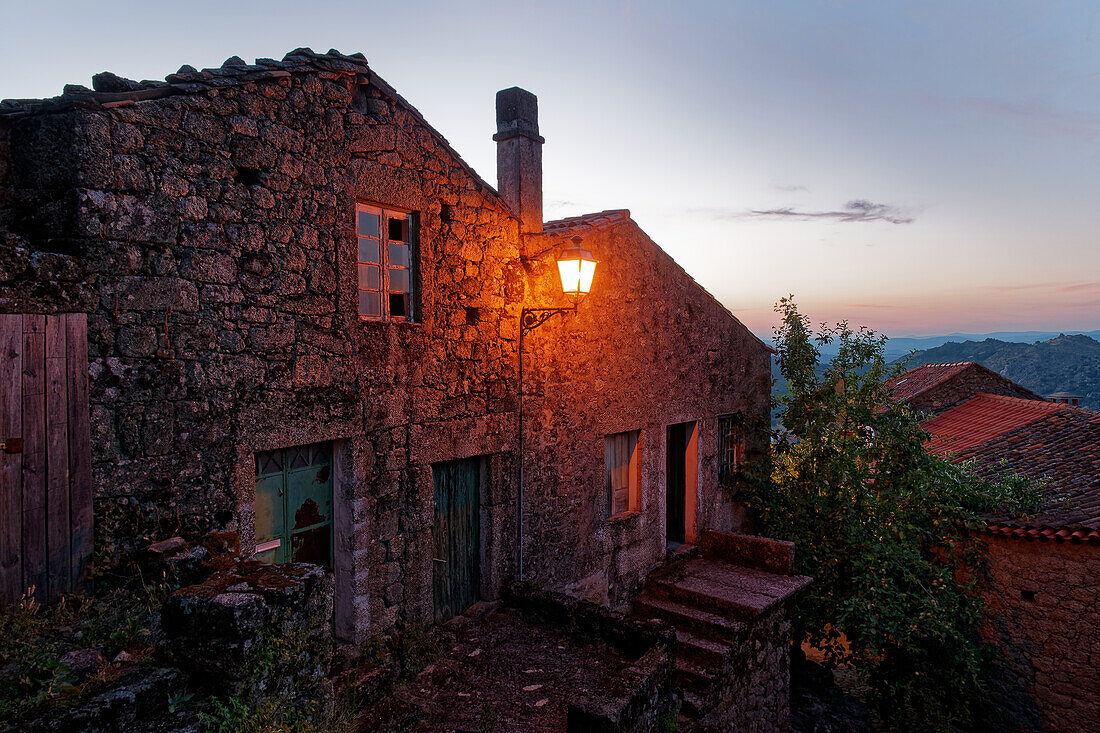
(730, 606)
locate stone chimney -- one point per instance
(519, 156)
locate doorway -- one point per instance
(681, 484)
(456, 536)
(294, 504)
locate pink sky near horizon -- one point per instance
(922, 168)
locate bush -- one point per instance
(884, 528)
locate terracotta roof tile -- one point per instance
(910, 384)
(1050, 442)
(983, 418)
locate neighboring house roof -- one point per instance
(919, 379)
(939, 387)
(1047, 441)
(983, 418)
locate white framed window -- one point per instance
(623, 472)
(386, 269)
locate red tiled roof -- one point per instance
(906, 386)
(983, 418)
(1056, 444)
(598, 220)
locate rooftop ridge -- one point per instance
(234, 71)
(603, 220)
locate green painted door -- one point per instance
(456, 536)
(294, 504)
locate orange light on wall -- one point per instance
(576, 266)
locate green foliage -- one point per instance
(881, 525)
(270, 715)
(33, 639)
(179, 700)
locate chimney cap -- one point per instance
(517, 115)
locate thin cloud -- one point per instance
(1093, 287)
(792, 188)
(857, 210)
(1039, 116)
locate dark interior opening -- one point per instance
(473, 316)
(247, 176)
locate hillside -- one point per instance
(1061, 364)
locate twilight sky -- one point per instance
(919, 167)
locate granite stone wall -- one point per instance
(1043, 614)
(209, 234)
(647, 348)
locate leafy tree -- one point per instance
(883, 527)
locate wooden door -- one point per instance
(293, 505)
(46, 458)
(456, 536)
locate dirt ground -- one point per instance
(501, 672)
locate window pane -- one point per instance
(399, 305)
(399, 281)
(369, 278)
(398, 231)
(368, 224)
(368, 250)
(370, 304)
(399, 254)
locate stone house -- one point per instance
(303, 324)
(1043, 606)
(933, 388)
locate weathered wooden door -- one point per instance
(294, 504)
(456, 534)
(46, 458)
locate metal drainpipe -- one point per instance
(519, 500)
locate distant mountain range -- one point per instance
(1059, 364)
(1043, 361)
(900, 346)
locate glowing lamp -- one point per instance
(576, 266)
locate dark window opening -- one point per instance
(473, 316)
(1027, 595)
(359, 99)
(397, 304)
(248, 176)
(398, 229)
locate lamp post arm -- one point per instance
(532, 318)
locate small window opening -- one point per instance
(247, 176)
(1027, 595)
(473, 316)
(359, 99)
(397, 304)
(398, 229)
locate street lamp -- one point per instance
(576, 266)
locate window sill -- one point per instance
(624, 517)
(387, 322)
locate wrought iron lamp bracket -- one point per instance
(532, 318)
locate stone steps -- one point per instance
(712, 604)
